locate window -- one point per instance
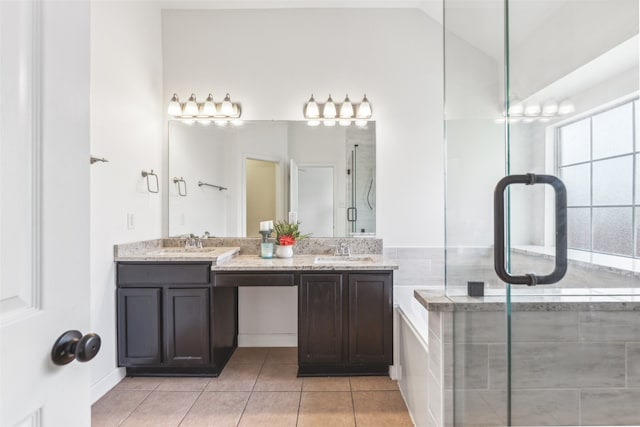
(598, 160)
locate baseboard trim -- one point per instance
(267, 340)
(106, 383)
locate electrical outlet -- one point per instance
(131, 221)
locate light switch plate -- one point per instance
(131, 221)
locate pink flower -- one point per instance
(287, 241)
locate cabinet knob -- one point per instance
(73, 345)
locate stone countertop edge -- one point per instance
(299, 262)
(434, 300)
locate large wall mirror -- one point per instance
(226, 179)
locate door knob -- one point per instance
(73, 345)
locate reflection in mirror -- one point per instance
(327, 175)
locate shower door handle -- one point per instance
(352, 214)
(561, 230)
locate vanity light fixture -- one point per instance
(531, 111)
(192, 111)
(343, 113)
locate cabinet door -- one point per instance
(370, 319)
(139, 327)
(321, 319)
(187, 326)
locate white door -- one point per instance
(44, 209)
(315, 199)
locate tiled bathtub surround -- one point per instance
(419, 267)
(476, 264)
(569, 367)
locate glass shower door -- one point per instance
(549, 89)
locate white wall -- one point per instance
(272, 60)
(126, 128)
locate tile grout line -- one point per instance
(194, 402)
(353, 404)
(252, 388)
(141, 402)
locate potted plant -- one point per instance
(287, 234)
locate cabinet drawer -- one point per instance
(254, 279)
(159, 274)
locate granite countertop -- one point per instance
(154, 251)
(554, 299)
(238, 254)
(302, 262)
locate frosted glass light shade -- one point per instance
(346, 109)
(364, 109)
(209, 107)
(516, 108)
(227, 107)
(174, 106)
(532, 109)
(566, 107)
(311, 110)
(550, 108)
(191, 107)
(329, 111)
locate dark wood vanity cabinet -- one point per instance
(171, 320)
(345, 323)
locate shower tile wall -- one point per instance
(366, 172)
(568, 368)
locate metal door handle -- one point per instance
(73, 345)
(561, 230)
(352, 214)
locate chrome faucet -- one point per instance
(193, 242)
(343, 250)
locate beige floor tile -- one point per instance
(326, 384)
(162, 408)
(235, 378)
(326, 408)
(280, 355)
(380, 409)
(278, 378)
(373, 383)
(183, 384)
(139, 383)
(219, 409)
(271, 409)
(248, 355)
(115, 406)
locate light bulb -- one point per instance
(566, 107)
(532, 109)
(515, 107)
(313, 122)
(191, 107)
(550, 108)
(529, 119)
(188, 121)
(174, 106)
(311, 110)
(227, 106)
(329, 111)
(344, 122)
(209, 107)
(329, 123)
(361, 123)
(346, 109)
(205, 122)
(364, 109)
(237, 122)
(221, 123)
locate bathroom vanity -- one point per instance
(177, 310)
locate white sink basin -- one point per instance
(338, 259)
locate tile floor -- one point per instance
(258, 387)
